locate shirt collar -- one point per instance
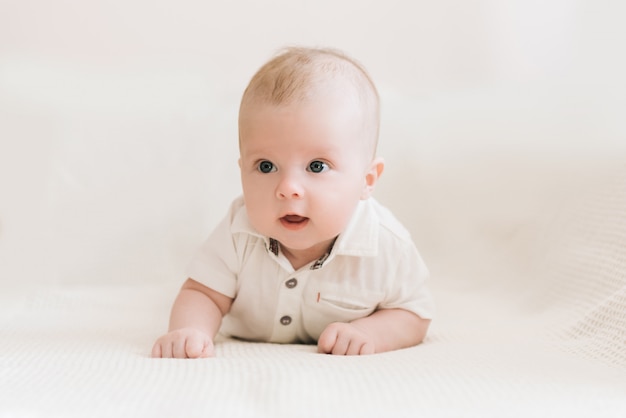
(360, 238)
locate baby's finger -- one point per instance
(194, 347)
(354, 347)
(166, 349)
(156, 350)
(327, 340)
(178, 348)
(341, 345)
(367, 348)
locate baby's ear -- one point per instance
(372, 175)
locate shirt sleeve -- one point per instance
(407, 288)
(215, 264)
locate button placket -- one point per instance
(290, 284)
(287, 319)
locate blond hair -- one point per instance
(296, 73)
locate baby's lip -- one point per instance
(294, 218)
(294, 222)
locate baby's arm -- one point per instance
(195, 320)
(384, 330)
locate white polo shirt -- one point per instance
(372, 265)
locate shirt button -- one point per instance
(285, 320)
(291, 283)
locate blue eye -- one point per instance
(318, 166)
(266, 167)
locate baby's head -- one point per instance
(300, 75)
(308, 128)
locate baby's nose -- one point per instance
(289, 188)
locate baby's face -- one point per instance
(303, 169)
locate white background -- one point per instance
(118, 140)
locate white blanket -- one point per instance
(503, 132)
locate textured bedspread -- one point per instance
(502, 128)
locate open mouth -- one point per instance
(294, 222)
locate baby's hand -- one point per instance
(184, 343)
(345, 339)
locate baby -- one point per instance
(306, 255)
